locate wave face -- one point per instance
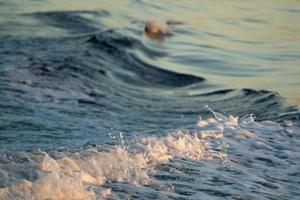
(90, 108)
(87, 85)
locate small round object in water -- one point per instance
(156, 28)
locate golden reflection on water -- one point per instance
(264, 36)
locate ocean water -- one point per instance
(92, 108)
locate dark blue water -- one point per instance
(87, 101)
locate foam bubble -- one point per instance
(74, 176)
(71, 176)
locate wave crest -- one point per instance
(84, 174)
(73, 176)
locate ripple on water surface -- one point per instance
(90, 108)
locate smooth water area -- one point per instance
(92, 108)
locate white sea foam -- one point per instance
(72, 176)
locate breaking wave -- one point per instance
(83, 174)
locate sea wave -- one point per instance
(84, 174)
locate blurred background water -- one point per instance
(74, 74)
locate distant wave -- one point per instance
(121, 47)
(70, 82)
(72, 21)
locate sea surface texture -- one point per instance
(93, 108)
